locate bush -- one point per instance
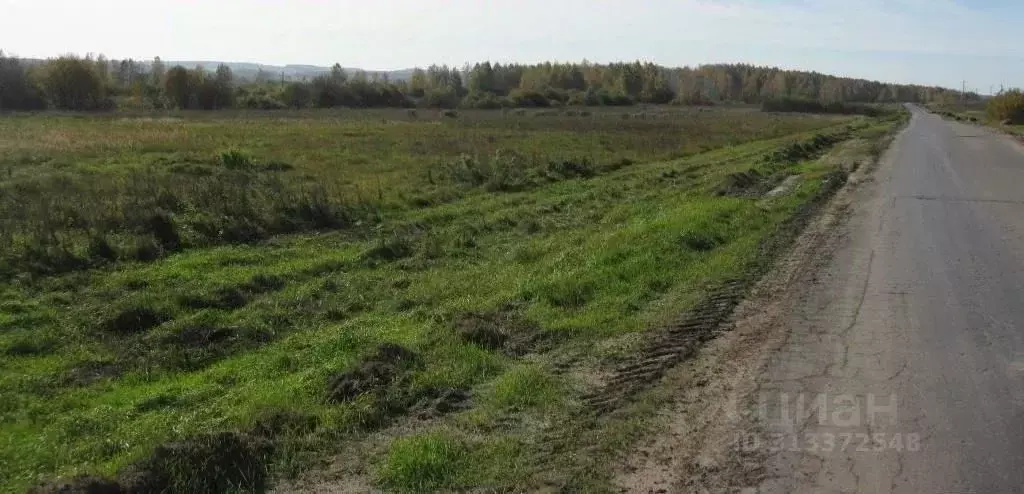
(1007, 107)
(234, 159)
(484, 101)
(297, 95)
(261, 102)
(695, 99)
(801, 105)
(576, 98)
(602, 97)
(528, 99)
(502, 171)
(441, 98)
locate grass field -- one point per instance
(220, 302)
(975, 114)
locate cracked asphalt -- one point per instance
(902, 366)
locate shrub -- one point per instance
(1007, 107)
(264, 102)
(236, 160)
(566, 169)
(528, 99)
(484, 101)
(502, 171)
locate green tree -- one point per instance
(297, 95)
(179, 86)
(17, 92)
(72, 83)
(157, 73)
(418, 84)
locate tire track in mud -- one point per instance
(674, 344)
(668, 347)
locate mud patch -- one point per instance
(435, 402)
(668, 348)
(79, 485)
(264, 283)
(374, 374)
(285, 422)
(202, 336)
(225, 299)
(761, 180)
(701, 241)
(87, 373)
(786, 187)
(234, 298)
(195, 346)
(750, 183)
(805, 150)
(504, 331)
(135, 320)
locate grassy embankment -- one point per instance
(303, 282)
(977, 114)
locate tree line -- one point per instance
(96, 83)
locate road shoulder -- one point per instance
(699, 444)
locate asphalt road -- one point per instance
(908, 346)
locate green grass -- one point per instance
(104, 363)
(424, 463)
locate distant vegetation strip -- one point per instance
(75, 84)
(799, 105)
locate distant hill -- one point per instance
(247, 70)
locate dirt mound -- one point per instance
(373, 374)
(223, 462)
(79, 485)
(750, 183)
(285, 422)
(701, 241)
(264, 283)
(435, 402)
(225, 299)
(503, 331)
(135, 320)
(91, 371)
(202, 336)
(233, 298)
(195, 346)
(805, 150)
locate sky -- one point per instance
(933, 42)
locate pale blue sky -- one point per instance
(919, 41)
